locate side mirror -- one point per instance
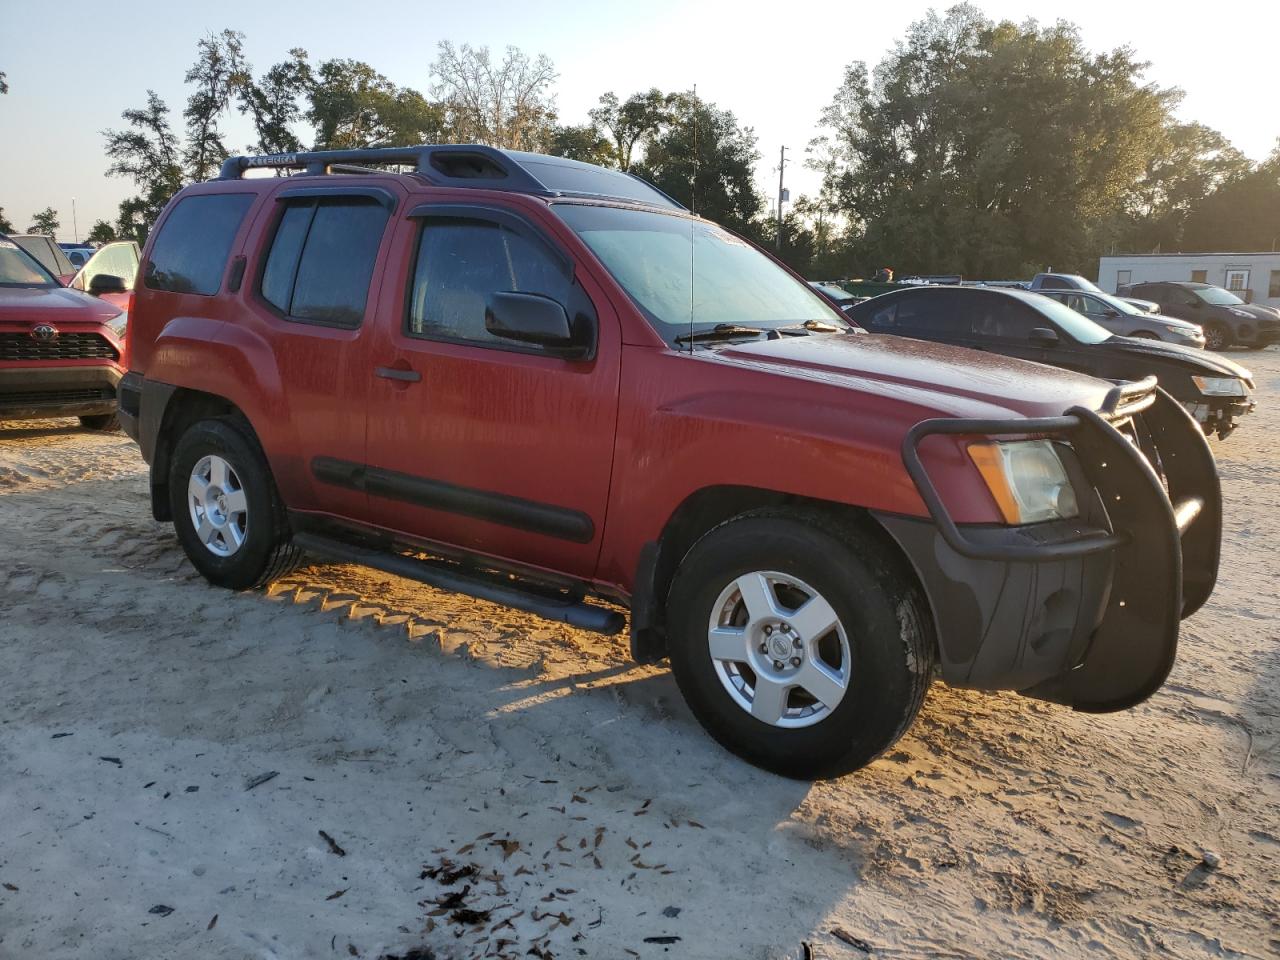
(1046, 336)
(531, 318)
(1111, 312)
(107, 283)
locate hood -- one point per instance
(951, 381)
(1174, 322)
(1195, 360)
(56, 305)
(1256, 311)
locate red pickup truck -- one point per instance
(547, 384)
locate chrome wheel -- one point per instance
(219, 509)
(779, 649)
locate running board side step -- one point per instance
(576, 613)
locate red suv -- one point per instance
(60, 349)
(545, 383)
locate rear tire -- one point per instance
(849, 690)
(104, 422)
(226, 511)
(1216, 336)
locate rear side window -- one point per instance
(461, 262)
(321, 259)
(190, 254)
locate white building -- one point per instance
(1254, 277)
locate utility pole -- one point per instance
(74, 225)
(782, 195)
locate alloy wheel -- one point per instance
(779, 649)
(218, 505)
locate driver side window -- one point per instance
(461, 262)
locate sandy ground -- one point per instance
(463, 757)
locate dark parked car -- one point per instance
(1122, 317)
(1227, 320)
(1030, 326)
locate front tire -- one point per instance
(225, 508)
(1216, 336)
(801, 642)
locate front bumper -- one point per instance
(85, 390)
(1219, 414)
(1083, 612)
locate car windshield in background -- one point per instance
(1217, 296)
(19, 269)
(1123, 306)
(688, 275)
(1075, 324)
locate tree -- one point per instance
(102, 232)
(6, 226)
(46, 221)
(703, 159)
(580, 143)
(991, 149)
(629, 123)
(4, 85)
(147, 151)
(273, 103)
(352, 105)
(507, 104)
(218, 73)
(1242, 214)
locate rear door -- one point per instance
(487, 444)
(315, 289)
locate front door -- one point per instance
(491, 445)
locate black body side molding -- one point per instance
(547, 519)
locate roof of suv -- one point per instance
(467, 165)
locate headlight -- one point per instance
(1190, 333)
(119, 323)
(1219, 386)
(1027, 480)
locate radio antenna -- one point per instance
(693, 224)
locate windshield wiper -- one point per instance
(721, 331)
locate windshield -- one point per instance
(1115, 303)
(1075, 325)
(19, 269)
(688, 275)
(1217, 296)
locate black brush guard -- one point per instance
(1151, 522)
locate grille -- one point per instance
(56, 398)
(67, 346)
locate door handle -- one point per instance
(398, 373)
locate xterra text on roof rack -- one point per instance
(547, 384)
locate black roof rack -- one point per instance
(468, 165)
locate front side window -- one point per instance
(322, 257)
(687, 275)
(19, 269)
(461, 262)
(190, 254)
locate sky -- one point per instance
(775, 66)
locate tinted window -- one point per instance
(1004, 317)
(322, 259)
(462, 261)
(190, 254)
